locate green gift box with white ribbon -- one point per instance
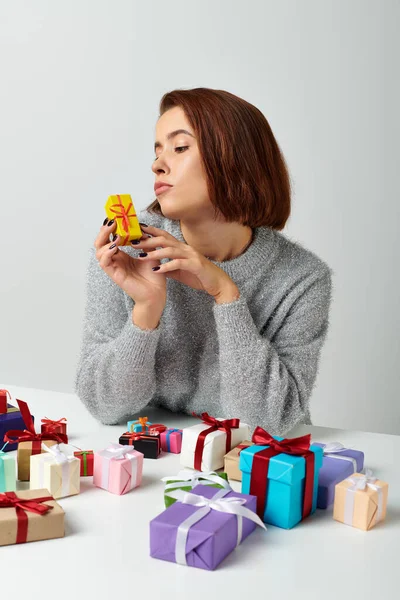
(187, 480)
(8, 480)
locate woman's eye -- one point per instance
(181, 148)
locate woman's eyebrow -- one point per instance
(173, 134)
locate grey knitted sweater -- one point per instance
(255, 358)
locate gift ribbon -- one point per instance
(51, 424)
(22, 505)
(3, 401)
(136, 436)
(84, 454)
(193, 478)
(64, 460)
(205, 505)
(115, 452)
(29, 434)
(215, 425)
(141, 421)
(360, 484)
(259, 474)
(168, 435)
(123, 213)
(332, 450)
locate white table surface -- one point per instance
(105, 552)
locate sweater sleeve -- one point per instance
(268, 382)
(115, 373)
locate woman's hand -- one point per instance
(131, 274)
(186, 265)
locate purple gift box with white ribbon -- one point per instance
(203, 526)
(338, 463)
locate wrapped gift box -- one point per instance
(202, 536)
(59, 426)
(171, 440)
(231, 461)
(10, 418)
(120, 208)
(291, 480)
(56, 471)
(187, 480)
(118, 469)
(86, 459)
(7, 473)
(338, 463)
(44, 524)
(148, 445)
(205, 445)
(361, 501)
(141, 425)
(29, 442)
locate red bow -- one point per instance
(124, 214)
(29, 434)
(299, 446)
(21, 505)
(215, 425)
(134, 436)
(59, 426)
(53, 423)
(3, 401)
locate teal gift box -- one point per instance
(8, 476)
(286, 482)
(140, 425)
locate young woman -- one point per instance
(213, 310)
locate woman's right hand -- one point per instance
(132, 275)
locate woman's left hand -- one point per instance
(186, 264)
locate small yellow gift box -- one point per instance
(121, 209)
(360, 501)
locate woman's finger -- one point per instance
(104, 234)
(108, 252)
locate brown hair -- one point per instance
(248, 179)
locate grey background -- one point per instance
(81, 82)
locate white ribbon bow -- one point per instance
(192, 478)
(360, 484)
(118, 451)
(333, 449)
(60, 456)
(217, 502)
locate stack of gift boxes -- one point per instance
(283, 481)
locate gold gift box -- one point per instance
(24, 458)
(120, 208)
(231, 462)
(361, 508)
(40, 527)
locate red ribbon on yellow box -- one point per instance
(299, 446)
(123, 213)
(215, 425)
(22, 505)
(29, 434)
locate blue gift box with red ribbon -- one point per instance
(283, 474)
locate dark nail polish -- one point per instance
(143, 225)
(105, 221)
(111, 223)
(143, 254)
(114, 237)
(155, 268)
(112, 246)
(135, 242)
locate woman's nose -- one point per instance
(160, 165)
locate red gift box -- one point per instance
(86, 457)
(50, 426)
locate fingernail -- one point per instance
(143, 254)
(110, 222)
(155, 268)
(105, 221)
(114, 237)
(112, 246)
(135, 242)
(143, 225)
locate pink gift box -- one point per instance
(171, 440)
(118, 469)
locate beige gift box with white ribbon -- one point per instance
(57, 471)
(360, 501)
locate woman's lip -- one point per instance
(162, 189)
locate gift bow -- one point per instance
(122, 213)
(366, 479)
(205, 505)
(142, 421)
(53, 423)
(333, 450)
(29, 434)
(118, 451)
(60, 456)
(226, 425)
(21, 505)
(299, 446)
(192, 478)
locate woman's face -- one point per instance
(178, 163)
